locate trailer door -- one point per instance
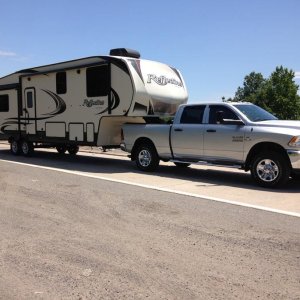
(30, 111)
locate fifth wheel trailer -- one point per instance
(84, 102)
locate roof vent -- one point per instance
(125, 52)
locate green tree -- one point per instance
(281, 94)
(277, 94)
(252, 86)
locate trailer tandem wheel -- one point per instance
(61, 149)
(15, 147)
(27, 148)
(73, 149)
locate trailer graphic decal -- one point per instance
(114, 101)
(92, 102)
(137, 66)
(60, 108)
(59, 102)
(162, 80)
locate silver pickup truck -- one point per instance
(240, 135)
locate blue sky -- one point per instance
(214, 43)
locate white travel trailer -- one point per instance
(85, 101)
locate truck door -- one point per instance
(187, 134)
(29, 111)
(223, 142)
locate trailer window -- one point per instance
(29, 96)
(61, 83)
(97, 81)
(4, 103)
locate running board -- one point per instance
(205, 163)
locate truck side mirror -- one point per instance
(233, 122)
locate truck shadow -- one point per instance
(238, 179)
(112, 164)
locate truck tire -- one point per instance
(26, 148)
(270, 169)
(181, 164)
(146, 157)
(15, 147)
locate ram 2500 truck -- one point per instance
(240, 135)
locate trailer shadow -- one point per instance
(111, 164)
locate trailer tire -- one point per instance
(73, 149)
(270, 169)
(61, 149)
(26, 148)
(146, 157)
(15, 147)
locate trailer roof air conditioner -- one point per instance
(125, 52)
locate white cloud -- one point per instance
(297, 75)
(6, 53)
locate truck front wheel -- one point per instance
(270, 169)
(146, 157)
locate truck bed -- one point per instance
(157, 133)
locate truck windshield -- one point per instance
(255, 113)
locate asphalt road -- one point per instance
(67, 236)
(225, 184)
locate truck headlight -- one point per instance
(295, 141)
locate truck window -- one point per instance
(61, 83)
(192, 114)
(97, 81)
(226, 113)
(4, 103)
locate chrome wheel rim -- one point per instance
(267, 170)
(145, 158)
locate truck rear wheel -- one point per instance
(270, 169)
(146, 157)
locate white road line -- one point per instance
(278, 211)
